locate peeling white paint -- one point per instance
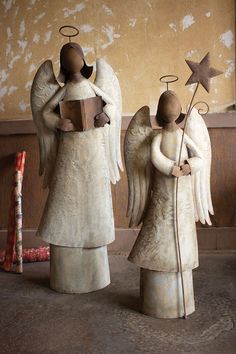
(109, 31)
(47, 37)
(230, 69)
(32, 68)
(3, 75)
(107, 10)
(9, 33)
(187, 21)
(36, 38)
(227, 38)
(28, 85)
(173, 26)
(69, 12)
(149, 4)
(3, 91)
(28, 57)
(132, 22)
(11, 90)
(190, 53)
(22, 28)
(8, 49)
(39, 17)
(87, 50)
(208, 14)
(7, 4)
(22, 44)
(23, 106)
(86, 28)
(13, 61)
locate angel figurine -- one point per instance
(152, 167)
(78, 127)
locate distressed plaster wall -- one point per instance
(142, 40)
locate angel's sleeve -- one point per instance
(195, 160)
(159, 160)
(50, 117)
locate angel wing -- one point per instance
(43, 89)
(107, 81)
(196, 129)
(138, 164)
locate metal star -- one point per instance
(202, 72)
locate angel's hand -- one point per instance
(66, 125)
(186, 169)
(101, 119)
(177, 172)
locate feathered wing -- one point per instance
(138, 164)
(43, 89)
(107, 81)
(196, 129)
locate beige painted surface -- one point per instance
(142, 40)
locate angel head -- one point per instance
(72, 61)
(169, 109)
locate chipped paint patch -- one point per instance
(86, 28)
(8, 4)
(9, 33)
(230, 69)
(173, 26)
(39, 17)
(22, 44)
(23, 106)
(190, 53)
(3, 75)
(187, 21)
(109, 31)
(13, 61)
(87, 50)
(69, 12)
(3, 91)
(11, 90)
(107, 10)
(28, 85)
(32, 68)
(22, 28)
(227, 38)
(132, 22)
(208, 14)
(28, 57)
(36, 38)
(47, 37)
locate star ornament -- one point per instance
(202, 72)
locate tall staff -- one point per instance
(201, 74)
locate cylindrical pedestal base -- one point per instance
(78, 270)
(161, 293)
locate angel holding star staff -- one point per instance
(78, 165)
(169, 190)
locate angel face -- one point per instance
(72, 61)
(169, 109)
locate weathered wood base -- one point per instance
(78, 270)
(161, 294)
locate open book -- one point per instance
(81, 112)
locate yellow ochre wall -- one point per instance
(142, 40)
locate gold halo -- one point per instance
(69, 35)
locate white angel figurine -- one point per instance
(152, 168)
(78, 166)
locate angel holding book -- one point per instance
(78, 166)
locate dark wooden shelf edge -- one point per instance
(26, 126)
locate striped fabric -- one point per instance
(14, 233)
